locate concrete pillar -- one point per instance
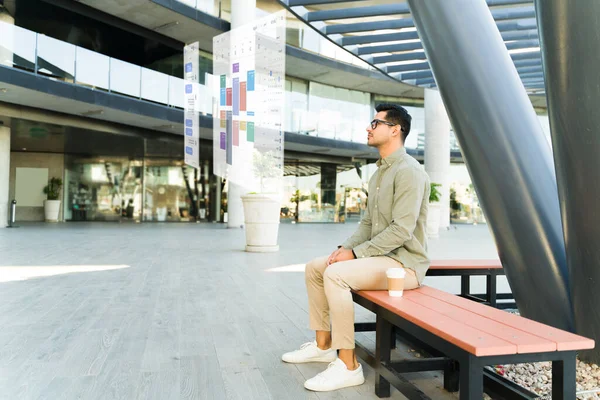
(569, 31)
(6, 55)
(437, 149)
(242, 12)
(505, 150)
(4, 174)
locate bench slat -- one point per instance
(465, 264)
(525, 342)
(470, 339)
(565, 341)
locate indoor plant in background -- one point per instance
(52, 204)
(434, 215)
(262, 209)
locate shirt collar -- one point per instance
(392, 158)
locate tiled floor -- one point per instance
(172, 311)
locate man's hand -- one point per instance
(333, 256)
(340, 254)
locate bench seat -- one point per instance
(472, 334)
(465, 268)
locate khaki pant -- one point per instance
(329, 294)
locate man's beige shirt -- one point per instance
(394, 224)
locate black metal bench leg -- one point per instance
(451, 376)
(491, 289)
(465, 285)
(471, 379)
(383, 353)
(564, 384)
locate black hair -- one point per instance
(398, 115)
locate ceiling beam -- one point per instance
(520, 35)
(368, 26)
(492, 3)
(521, 65)
(389, 48)
(528, 63)
(415, 55)
(410, 35)
(385, 37)
(522, 44)
(358, 12)
(511, 25)
(413, 75)
(540, 73)
(424, 81)
(530, 55)
(524, 70)
(407, 67)
(293, 3)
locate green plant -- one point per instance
(52, 190)
(454, 204)
(434, 194)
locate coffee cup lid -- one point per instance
(398, 272)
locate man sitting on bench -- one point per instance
(390, 235)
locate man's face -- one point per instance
(383, 133)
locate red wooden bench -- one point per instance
(490, 268)
(466, 337)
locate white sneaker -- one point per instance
(336, 376)
(309, 352)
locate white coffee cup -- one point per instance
(395, 277)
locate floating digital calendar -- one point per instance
(191, 134)
(249, 66)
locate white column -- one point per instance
(4, 174)
(6, 55)
(242, 12)
(437, 149)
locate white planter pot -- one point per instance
(261, 218)
(433, 220)
(51, 210)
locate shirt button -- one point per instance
(377, 188)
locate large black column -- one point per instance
(504, 148)
(569, 35)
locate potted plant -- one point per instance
(52, 204)
(434, 214)
(261, 210)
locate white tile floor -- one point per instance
(173, 311)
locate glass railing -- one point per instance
(303, 36)
(298, 33)
(210, 7)
(333, 113)
(43, 55)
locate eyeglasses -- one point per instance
(380, 121)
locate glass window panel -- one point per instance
(17, 46)
(176, 96)
(92, 68)
(55, 58)
(166, 195)
(191, 3)
(207, 6)
(125, 77)
(155, 86)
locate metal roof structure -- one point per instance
(383, 34)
